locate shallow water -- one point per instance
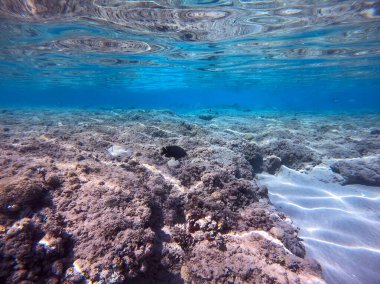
(322, 53)
(91, 91)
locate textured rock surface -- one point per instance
(293, 154)
(361, 171)
(71, 211)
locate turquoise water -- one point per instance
(260, 54)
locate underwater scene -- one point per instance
(190, 141)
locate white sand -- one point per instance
(340, 225)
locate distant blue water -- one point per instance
(363, 97)
(298, 55)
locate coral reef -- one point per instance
(90, 196)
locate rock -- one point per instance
(190, 173)
(80, 158)
(277, 232)
(17, 195)
(375, 132)
(252, 153)
(19, 275)
(172, 163)
(53, 182)
(293, 154)
(57, 268)
(52, 242)
(248, 136)
(207, 117)
(53, 280)
(212, 180)
(359, 170)
(238, 262)
(216, 195)
(13, 208)
(272, 164)
(24, 257)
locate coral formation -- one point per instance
(73, 209)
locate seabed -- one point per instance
(259, 197)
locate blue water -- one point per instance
(303, 55)
(312, 56)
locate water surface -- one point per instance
(328, 50)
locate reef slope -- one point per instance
(89, 196)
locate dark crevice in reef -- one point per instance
(94, 197)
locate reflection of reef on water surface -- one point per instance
(92, 195)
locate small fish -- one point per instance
(173, 151)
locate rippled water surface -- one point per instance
(167, 44)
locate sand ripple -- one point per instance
(339, 224)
